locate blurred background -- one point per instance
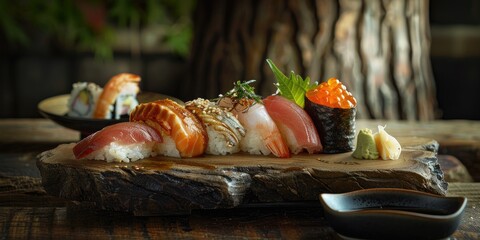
(46, 46)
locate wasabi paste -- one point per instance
(366, 147)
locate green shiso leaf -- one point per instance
(292, 87)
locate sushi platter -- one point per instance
(171, 157)
(165, 185)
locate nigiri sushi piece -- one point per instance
(223, 129)
(262, 134)
(182, 132)
(332, 109)
(121, 142)
(119, 97)
(83, 99)
(294, 124)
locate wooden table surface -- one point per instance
(27, 212)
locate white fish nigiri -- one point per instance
(388, 147)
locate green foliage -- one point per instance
(293, 87)
(9, 24)
(70, 23)
(243, 90)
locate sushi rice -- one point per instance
(167, 147)
(115, 152)
(253, 143)
(218, 145)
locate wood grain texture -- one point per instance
(470, 224)
(162, 185)
(35, 130)
(36, 221)
(378, 49)
(65, 223)
(23, 191)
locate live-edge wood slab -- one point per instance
(162, 185)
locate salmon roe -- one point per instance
(332, 93)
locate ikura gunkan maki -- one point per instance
(332, 109)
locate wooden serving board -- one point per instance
(162, 185)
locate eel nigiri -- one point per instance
(121, 142)
(223, 129)
(182, 132)
(294, 123)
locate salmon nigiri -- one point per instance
(121, 142)
(183, 134)
(294, 123)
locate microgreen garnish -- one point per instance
(293, 87)
(243, 90)
(242, 95)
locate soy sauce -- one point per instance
(430, 211)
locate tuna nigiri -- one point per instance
(182, 132)
(121, 142)
(294, 123)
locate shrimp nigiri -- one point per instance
(182, 132)
(121, 142)
(262, 134)
(294, 123)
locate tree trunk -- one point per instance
(378, 49)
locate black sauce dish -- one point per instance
(391, 213)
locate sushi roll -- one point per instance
(119, 97)
(121, 142)
(332, 109)
(83, 99)
(223, 129)
(182, 132)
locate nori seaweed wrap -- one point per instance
(332, 109)
(336, 126)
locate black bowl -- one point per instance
(55, 109)
(390, 213)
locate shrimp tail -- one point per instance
(277, 145)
